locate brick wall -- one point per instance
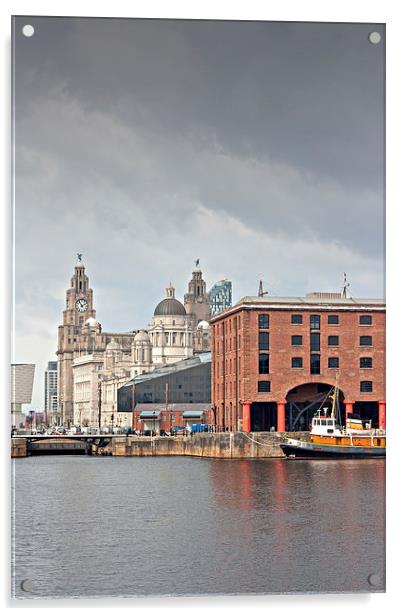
(235, 355)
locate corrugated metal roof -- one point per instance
(179, 406)
(184, 364)
(150, 415)
(192, 414)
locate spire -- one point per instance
(170, 290)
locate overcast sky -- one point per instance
(256, 147)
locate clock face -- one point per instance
(81, 304)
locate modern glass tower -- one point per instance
(220, 296)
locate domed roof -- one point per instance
(113, 346)
(203, 325)
(92, 322)
(141, 336)
(170, 306)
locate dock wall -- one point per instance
(19, 448)
(215, 445)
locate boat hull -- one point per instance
(306, 449)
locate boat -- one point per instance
(329, 439)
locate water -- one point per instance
(87, 526)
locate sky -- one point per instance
(257, 147)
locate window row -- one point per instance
(332, 341)
(332, 319)
(333, 362)
(315, 320)
(315, 363)
(365, 386)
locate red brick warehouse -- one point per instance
(274, 360)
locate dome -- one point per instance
(141, 336)
(113, 345)
(92, 322)
(170, 306)
(203, 325)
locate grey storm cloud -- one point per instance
(256, 146)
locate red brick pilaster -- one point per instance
(280, 416)
(381, 415)
(246, 416)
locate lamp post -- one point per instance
(167, 404)
(99, 403)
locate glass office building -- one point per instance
(220, 296)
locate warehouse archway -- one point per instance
(304, 400)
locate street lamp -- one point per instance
(99, 402)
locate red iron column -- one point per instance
(381, 415)
(246, 417)
(280, 416)
(348, 408)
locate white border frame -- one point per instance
(287, 10)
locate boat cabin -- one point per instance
(325, 425)
(355, 422)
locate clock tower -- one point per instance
(71, 341)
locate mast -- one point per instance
(335, 411)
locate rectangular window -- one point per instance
(366, 319)
(315, 365)
(333, 319)
(263, 321)
(333, 362)
(297, 340)
(366, 341)
(297, 362)
(263, 363)
(315, 321)
(333, 340)
(366, 386)
(263, 341)
(314, 342)
(264, 386)
(366, 362)
(297, 319)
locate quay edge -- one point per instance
(209, 445)
(228, 445)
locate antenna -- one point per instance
(261, 291)
(345, 287)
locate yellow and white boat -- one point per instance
(329, 439)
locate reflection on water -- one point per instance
(135, 526)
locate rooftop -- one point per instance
(184, 364)
(311, 300)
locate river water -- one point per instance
(88, 527)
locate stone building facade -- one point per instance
(196, 300)
(171, 331)
(273, 356)
(79, 335)
(87, 356)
